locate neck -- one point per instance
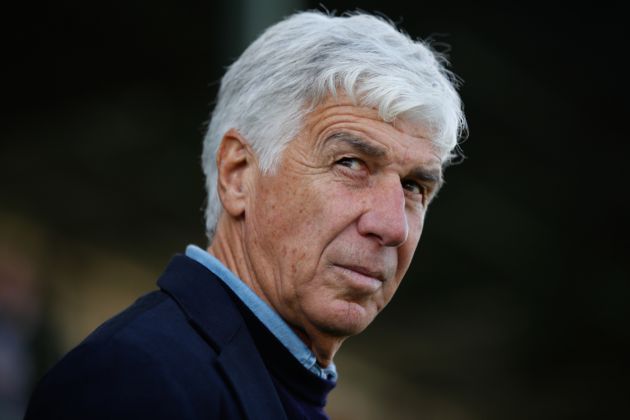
(324, 347)
(227, 247)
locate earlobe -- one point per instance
(234, 162)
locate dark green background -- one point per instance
(516, 305)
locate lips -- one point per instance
(360, 280)
(378, 275)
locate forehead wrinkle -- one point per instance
(358, 143)
(433, 175)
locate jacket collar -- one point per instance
(213, 314)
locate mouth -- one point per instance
(378, 275)
(361, 279)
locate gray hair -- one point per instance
(299, 62)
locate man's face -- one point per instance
(330, 234)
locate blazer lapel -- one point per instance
(216, 318)
(250, 380)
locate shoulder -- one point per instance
(145, 362)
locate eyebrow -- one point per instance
(358, 143)
(429, 175)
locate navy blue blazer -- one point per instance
(182, 352)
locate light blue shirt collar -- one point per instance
(270, 318)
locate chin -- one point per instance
(345, 319)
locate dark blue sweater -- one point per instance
(302, 393)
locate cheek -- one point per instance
(407, 251)
(308, 211)
(287, 216)
(405, 254)
(276, 207)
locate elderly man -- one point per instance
(323, 153)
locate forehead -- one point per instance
(399, 139)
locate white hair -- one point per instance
(299, 62)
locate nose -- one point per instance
(385, 217)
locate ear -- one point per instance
(235, 165)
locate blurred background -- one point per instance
(516, 304)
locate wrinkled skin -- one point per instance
(328, 236)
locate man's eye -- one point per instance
(413, 186)
(352, 163)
